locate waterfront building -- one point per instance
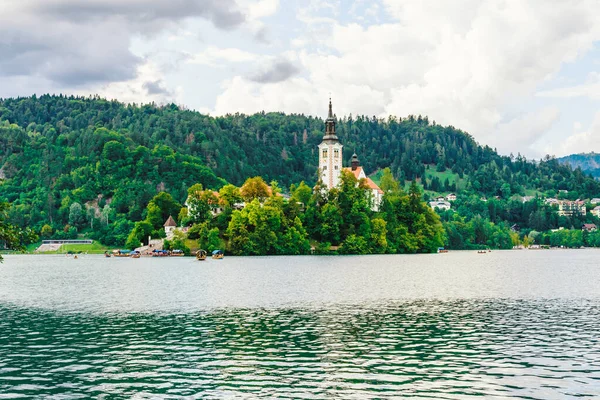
(330, 162)
(330, 154)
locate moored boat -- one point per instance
(218, 254)
(177, 253)
(135, 254)
(201, 255)
(121, 253)
(160, 253)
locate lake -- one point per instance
(506, 324)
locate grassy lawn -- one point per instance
(429, 174)
(447, 174)
(94, 248)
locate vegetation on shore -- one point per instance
(75, 167)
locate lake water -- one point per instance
(515, 324)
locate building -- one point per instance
(451, 197)
(595, 201)
(170, 226)
(589, 227)
(359, 173)
(442, 205)
(330, 162)
(596, 212)
(568, 208)
(330, 154)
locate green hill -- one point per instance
(59, 150)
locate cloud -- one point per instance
(467, 63)
(156, 87)
(590, 89)
(521, 132)
(222, 13)
(214, 56)
(580, 141)
(147, 86)
(73, 43)
(278, 71)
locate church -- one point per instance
(330, 162)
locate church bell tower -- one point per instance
(330, 154)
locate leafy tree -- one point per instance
(46, 231)
(255, 188)
(12, 237)
(76, 216)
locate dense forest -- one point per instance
(72, 165)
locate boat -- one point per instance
(160, 253)
(107, 254)
(135, 254)
(177, 253)
(201, 255)
(481, 251)
(442, 250)
(218, 254)
(121, 253)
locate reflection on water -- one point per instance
(501, 325)
(422, 349)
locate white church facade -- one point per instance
(330, 162)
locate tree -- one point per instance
(255, 188)
(388, 184)
(200, 203)
(76, 217)
(229, 195)
(160, 208)
(301, 193)
(105, 215)
(12, 237)
(46, 231)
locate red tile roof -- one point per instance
(370, 183)
(356, 172)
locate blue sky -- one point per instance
(519, 75)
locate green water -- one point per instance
(459, 325)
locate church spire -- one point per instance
(330, 126)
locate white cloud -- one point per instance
(590, 89)
(521, 132)
(214, 56)
(146, 87)
(462, 63)
(580, 141)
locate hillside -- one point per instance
(58, 150)
(588, 162)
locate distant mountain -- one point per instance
(588, 162)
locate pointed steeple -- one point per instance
(330, 126)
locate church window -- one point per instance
(336, 167)
(325, 153)
(336, 153)
(325, 168)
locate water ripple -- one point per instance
(529, 349)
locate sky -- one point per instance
(522, 76)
